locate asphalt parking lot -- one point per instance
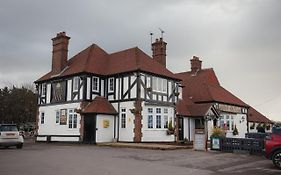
(78, 159)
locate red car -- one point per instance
(273, 147)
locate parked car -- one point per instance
(10, 136)
(273, 146)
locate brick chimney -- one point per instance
(159, 51)
(196, 64)
(60, 52)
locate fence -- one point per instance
(253, 146)
(256, 135)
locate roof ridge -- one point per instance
(92, 47)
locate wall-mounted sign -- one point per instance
(229, 108)
(63, 117)
(105, 123)
(58, 91)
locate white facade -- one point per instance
(155, 123)
(189, 128)
(51, 123)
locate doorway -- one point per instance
(181, 129)
(90, 129)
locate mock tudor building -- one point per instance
(100, 97)
(128, 96)
(205, 99)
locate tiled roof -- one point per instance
(190, 109)
(205, 87)
(255, 116)
(95, 60)
(100, 105)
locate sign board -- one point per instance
(63, 117)
(230, 108)
(105, 123)
(215, 143)
(199, 143)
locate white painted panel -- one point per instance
(81, 92)
(170, 88)
(103, 133)
(102, 88)
(110, 97)
(192, 128)
(125, 86)
(154, 97)
(69, 89)
(50, 127)
(89, 90)
(134, 91)
(94, 96)
(186, 128)
(48, 97)
(65, 139)
(117, 88)
(41, 139)
(165, 98)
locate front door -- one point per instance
(90, 129)
(181, 129)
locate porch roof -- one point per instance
(100, 105)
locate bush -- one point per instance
(218, 132)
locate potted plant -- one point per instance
(216, 136)
(171, 129)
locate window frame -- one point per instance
(95, 84)
(123, 118)
(76, 81)
(150, 121)
(158, 121)
(42, 118)
(111, 84)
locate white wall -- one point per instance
(69, 89)
(104, 134)
(156, 134)
(50, 127)
(48, 94)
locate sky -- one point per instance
(240, 39)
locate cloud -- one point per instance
(240, 39)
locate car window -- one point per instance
(276, 130)
(8, 128)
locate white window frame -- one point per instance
(76, 84)
(95, 80)
(42, 118)
(123, 118)
(72, 119)
(57, 116)
(111, 85)
(158, 121)
(150, 121)
(166, 121)
(159, 84)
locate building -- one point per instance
(128, 96)
(100, 97)
(207, 101)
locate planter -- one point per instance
(170, 132)
(215, 143)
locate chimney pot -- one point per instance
(159, 51)
(196, 64)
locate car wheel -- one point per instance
(276, 159)
(19, 146)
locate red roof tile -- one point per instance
(205, 87)
(95, 60)
(255, 116)
(100, 105)
(190, 109)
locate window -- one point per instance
(57, 116)
(158, 121)
(158, 110)
(159, 84)
(42, 117)
(44, 89)
(123, 117)
(111, 85)
(165, 111)
(95, 86)
(150, 121)
(227, 122)
(166, 123)
(150, 110)
(75, 83)
(72, 118)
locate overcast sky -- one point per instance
(240, 39)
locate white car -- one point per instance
(10, 136)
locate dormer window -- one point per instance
(75, 83)
(111, 85)
(159, 84)
(95, 84)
